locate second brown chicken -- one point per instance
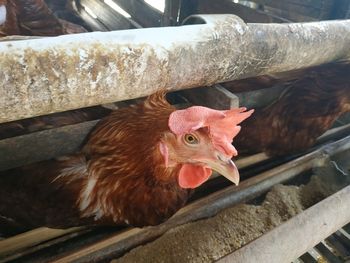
(312, 101)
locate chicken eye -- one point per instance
(191, 139)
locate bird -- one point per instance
(32, 18)
(138, 166)
(312, 100)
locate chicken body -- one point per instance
(32, 18)
(133, 169)
(313, 99)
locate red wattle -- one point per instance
(192, 176)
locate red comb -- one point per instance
(223, 125)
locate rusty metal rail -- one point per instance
(41, 76)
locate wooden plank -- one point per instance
(32, 238)
(106, 15)
(141, 12)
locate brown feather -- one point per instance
(309, 107)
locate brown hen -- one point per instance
(313, 99)
(137, 167)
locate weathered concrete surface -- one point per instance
(42, 76)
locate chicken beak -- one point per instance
(225, 167)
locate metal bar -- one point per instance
(298, 234)
(42, 76)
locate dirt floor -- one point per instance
(210, 239)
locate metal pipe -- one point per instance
(298, 234)
(41, 76)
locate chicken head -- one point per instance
(200, 141)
